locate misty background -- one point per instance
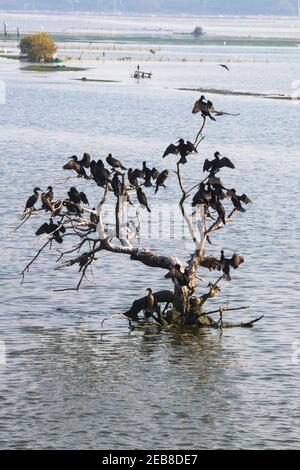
(207, 7)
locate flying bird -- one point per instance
(224, 67)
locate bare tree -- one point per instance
(70, 216)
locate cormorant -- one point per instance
(77, 197)
(132, 178)
(227, 263)
(182, 148)
(205, 107)
(115, 184)
(154, 173)
(99, 173)
(32, 200)
(147, 175)
(218, 206)
(85, 161)
(176, 273)
(222, 264)
(94, 218)
(202, 196)
(213, 166)
(114, 163)
(236, 200)
(150, 304)
(142, 198)
(74, 164)
(46, 199)
(161, 179)
(51, 228)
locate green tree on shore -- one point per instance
(38, 47)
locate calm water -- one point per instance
(68, 383)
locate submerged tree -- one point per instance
(208, 213)
(38, 47)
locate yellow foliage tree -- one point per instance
(38, 47)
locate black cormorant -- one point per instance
(114, 163)
(74, 164)
(147, 175)
(236, 200)
(32, 200)
(161, 179)
(213, 166)
(142, 198)
(47, 198)
(205, 107)
(182, 148)
(52, 228)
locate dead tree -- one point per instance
(212, 209)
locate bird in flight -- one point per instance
(224, 67)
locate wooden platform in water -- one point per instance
(141, 74)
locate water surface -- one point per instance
(70, 383)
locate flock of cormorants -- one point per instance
(210, 193)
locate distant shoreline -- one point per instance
(96, 41)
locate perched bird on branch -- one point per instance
(142, 198)
(94, 218)
(100, 174)
(46, 199)
(77, 166)
(205, 107)
(181, 278)
(202, 196)
(182, 148)
(236, 200)
(85, 161)
(218, 206)
(147, 175)
(222, 264)
(227, 263)
(53, 229)
(114, 163)
(154, 173)
(160, 181)
(33, 199)
(150, 304)
(213, 166)
(77, 197)
(132, 178)
(115, 184)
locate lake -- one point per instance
(71, 383)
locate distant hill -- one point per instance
(209, 7)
